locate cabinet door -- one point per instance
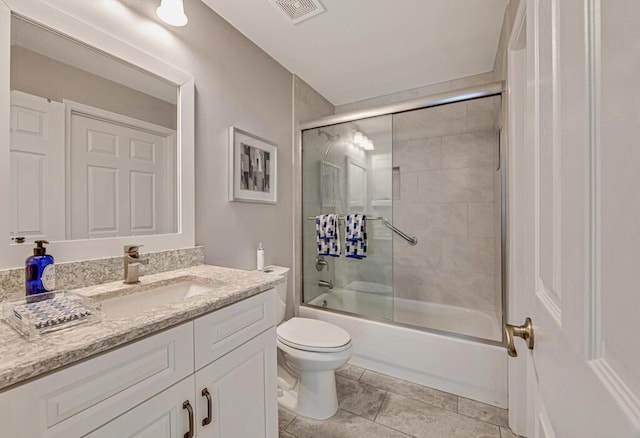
(242, 385)
(163, 416)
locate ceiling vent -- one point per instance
(298, 10)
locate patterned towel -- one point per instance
(328, 235)
(355, 242)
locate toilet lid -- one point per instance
(313, 335)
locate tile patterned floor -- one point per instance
(373, 405)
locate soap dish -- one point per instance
(49, 312)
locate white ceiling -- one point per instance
(358, 49)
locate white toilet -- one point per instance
(309, 353)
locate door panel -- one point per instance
(618, 234)
(143, 194)
(27, 182)
(102, 200)
(37, 167)
(548, 159)
(583, 63)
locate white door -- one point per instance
(579, 177)
(122, 177)
(164, 416)
(242, 388)
(37, 167)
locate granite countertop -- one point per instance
(22, 359)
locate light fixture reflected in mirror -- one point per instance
(172, 12)
(362, 141)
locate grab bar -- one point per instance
(413, 241)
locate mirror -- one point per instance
(93, 142)
(119, 211)
(356, 185)
(329, 185)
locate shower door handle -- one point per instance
(522, 331)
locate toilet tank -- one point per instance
(281, 305)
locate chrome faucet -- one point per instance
(323, 283)
(132, 262)
(321, 263)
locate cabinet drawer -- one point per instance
(76, 400)
(223, 330)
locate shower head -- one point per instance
(330, 138)
(331, 141)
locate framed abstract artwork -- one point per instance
(253, 168)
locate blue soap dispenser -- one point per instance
(40, 274)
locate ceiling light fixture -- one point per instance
(172, 12)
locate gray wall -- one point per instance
(237, 84)
(45, 77)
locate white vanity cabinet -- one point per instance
(151, 387)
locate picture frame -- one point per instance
(253, 168)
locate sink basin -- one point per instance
(134, 303)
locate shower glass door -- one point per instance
(347, 169)
(435, 174)
(448, 180)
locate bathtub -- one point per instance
(441, 317)
(469, 368)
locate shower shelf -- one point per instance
(412, 240)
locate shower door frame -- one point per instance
(496, 88)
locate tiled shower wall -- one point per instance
(447, 194)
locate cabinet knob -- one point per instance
(186, 405)
(205, 393)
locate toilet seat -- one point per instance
(313, 335)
